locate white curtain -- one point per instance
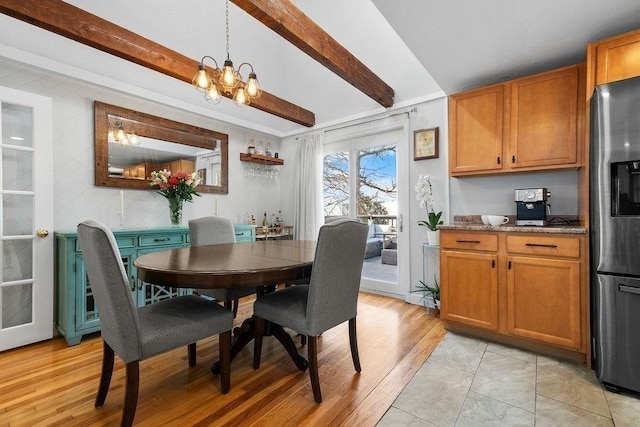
(308, 187)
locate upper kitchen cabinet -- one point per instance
(476, 122)
(522, 125)
(613, 59)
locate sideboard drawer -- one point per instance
(162, 239)
(245, 233)
(123, 242)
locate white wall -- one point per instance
(76, 198)
(429, 115)
(493, 195)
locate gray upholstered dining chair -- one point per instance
(328, 300)
(136, 334)
(214, 230)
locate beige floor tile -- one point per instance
(625, 409)
(483, 411)
(512, 352)
(506, 379)
(394, 417)
(436, 393)
(572, 384)
(459, 352)
(550, 412)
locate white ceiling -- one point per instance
(461, 43)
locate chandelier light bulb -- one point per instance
(133, 138)
(120, 135)
(201, 79)
(253, 88)
(212, 94)
(229, 78)
(241, 99)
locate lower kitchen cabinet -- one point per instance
(543, 300)
(471, 292)
(77, 314)
(528, 288)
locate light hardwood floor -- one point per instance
(52, 384)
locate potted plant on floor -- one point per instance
(430, 293)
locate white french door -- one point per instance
(26, 218)
(357, 180)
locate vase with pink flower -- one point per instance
(176, 188)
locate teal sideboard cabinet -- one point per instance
(77, 314)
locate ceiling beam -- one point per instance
(74, 23)
(293, 25)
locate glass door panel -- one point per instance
(26, 289)
(336, 189)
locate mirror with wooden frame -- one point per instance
(129, 145)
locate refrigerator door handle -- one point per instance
(629, 289)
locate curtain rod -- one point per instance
(412, 110)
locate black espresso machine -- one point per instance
(531, 206)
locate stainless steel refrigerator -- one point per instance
(615, 233)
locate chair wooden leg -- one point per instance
(236, 303)
(313, 368)
(191, 350)
(131, 393)
(225, 361)
(105, 376)
(258, 327)
(353, 340)
(232, 305)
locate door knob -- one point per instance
(42, 232)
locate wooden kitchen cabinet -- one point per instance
(528, 288)
(527, 124)
(543, 289)
(543, 300)
(612, 59)
(544, 120)
(469, 279)
(476, 121)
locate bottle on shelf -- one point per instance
(265, 223)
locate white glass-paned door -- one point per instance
(360, 179)
(26, 187)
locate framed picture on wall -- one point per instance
(425, 144)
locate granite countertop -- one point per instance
(559, 224)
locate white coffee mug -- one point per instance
(496, 220)
(485, 219)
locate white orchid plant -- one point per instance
(424, 195)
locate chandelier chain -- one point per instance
(227, 25)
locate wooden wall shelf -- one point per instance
(257, 158)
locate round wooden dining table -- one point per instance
(257, 264)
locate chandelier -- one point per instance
(227, 80)
(118, 135)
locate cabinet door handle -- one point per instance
(166, 239)
(513, 159)
(629, 289)
(498, 159)
(509, 265)
(493, 263)
(468, 241)
(540, 245)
